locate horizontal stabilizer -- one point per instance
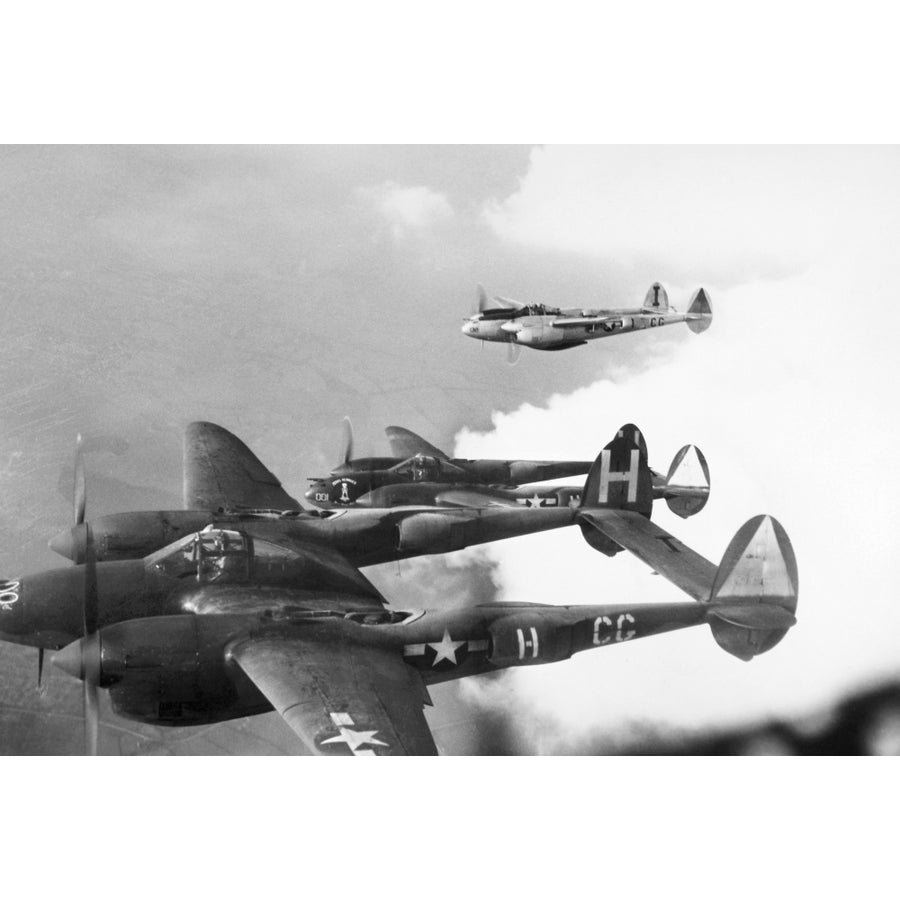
(755, 615)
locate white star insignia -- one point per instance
(355, 739)
(446, 649)
(534, 501)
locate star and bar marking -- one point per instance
(536, 501)
(353, 738)
(446, 649)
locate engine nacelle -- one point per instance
(167, 669)
(528, 638)
(537, 334)
(599, 541)
(432, 533)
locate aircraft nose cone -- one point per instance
(70, 659)
(317, 493)
(467, 328)
(63, 544)
(71, 543)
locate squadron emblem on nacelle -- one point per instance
(9, 594)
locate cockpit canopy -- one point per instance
(218, 554)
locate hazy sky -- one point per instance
(275, 290)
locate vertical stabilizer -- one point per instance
(754, 595)
(657, 300)
(699, 313)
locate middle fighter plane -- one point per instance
(419, 474)
(418, 465)
(549, 328)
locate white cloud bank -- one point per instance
(722, 213)
(791, 395)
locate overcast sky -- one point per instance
(275, 290)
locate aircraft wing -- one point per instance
(340, 697)
(221, 472)
(656, 547)
(323, 567)
(581, 321)
(473, 499)
(405, 443)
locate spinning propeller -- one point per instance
(346, 440)
(81, 658)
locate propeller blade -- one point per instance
(80, 494)
(91, 716)
(346, 440)
(81, 659)
(40, 670)
(513, 351)
(90, 607)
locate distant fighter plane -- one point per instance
(550, 328)
(428, 477)
(242, 617)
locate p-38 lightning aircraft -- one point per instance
(241, 617)
(551, 328)
(428, 477)
(417, 462)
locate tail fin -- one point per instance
(699, 312)
(657, 300)
(405, 443)
(687, 484)
(222, 472)
(754, 594)
(620, 477)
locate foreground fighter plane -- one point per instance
(237, 619)
(416, 462)
(550, 328)
(429, 478)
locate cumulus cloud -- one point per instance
(790, 395)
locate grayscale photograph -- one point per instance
(364, 450)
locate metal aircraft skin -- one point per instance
(226, 485)
(436, 482)
(415, 461)
(240, 618)
(543, 327)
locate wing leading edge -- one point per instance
(340, 697)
